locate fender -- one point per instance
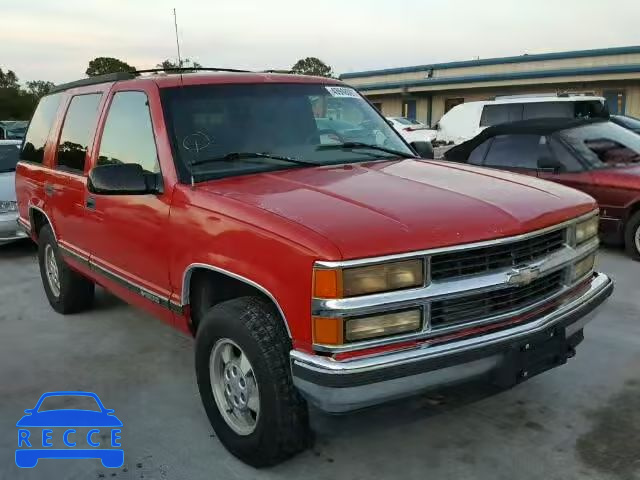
(186, 284)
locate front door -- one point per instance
(129, 239)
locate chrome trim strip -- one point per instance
(453, 288)
(128, 284)
(24, 225)
(328, 365)
(33, 207)
(186, 281)
(450, 249)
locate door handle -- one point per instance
(91, 203)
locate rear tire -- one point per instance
(254, 332)
(632, 236)
(66, 290)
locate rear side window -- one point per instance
(548, 110)
(516, 151)
(128, 133)
(77, 132)
(39, 128)
(477, 156)
(496, 114)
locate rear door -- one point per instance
(65, 185)
(128, 235)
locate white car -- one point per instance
(463, 122)
(412, 130)
(9, 155)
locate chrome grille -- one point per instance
(446, 313)
(486, 259)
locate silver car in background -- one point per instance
(9, 155)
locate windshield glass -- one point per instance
(9, 155)
(629, 122)
(288, 120)
(604, 144)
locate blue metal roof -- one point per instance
(563, 72)
(599, 52)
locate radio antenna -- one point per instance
(175, 24)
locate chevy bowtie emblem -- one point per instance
(523, 276)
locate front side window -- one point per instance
(9, 156)
(128, 133)
(307, 122)
(516, 151)
(39, 128)
(604, 144)
(77, 131)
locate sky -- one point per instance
(55, 39)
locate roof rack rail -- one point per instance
(118, 76)
(525, 95)
(109, 77)
(191, 69)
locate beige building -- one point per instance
(426, 92)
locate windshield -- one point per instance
(9, 155)
(628, 122)
(604, 144)
(209, 122)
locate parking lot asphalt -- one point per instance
(580, 421)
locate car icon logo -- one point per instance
(81, 433)
(523, 276)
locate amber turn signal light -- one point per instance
(328, 331)
(327, 283)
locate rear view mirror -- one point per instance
(423, 149)
(549, 164)
(122, 179)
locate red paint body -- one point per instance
(270, 228)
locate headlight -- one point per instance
(365, 328)
(587, 230)
(337, 331)
(354, 281)
(8, 206)
(584, 266)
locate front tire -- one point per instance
(242, 367)
(66, 290)
(632, 236)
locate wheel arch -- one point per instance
(196, 268)
(38, 218)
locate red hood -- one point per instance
(381, 208)
(620, 177)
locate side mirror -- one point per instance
(122, 179)
(549, 164)
(389, 122)
(423, 149)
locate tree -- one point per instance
(39, 88)
(104, 65)
(312, 66)
(169, 65)
(8, 79)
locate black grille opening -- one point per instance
(445, 313)
(486, 259)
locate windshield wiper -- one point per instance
(355, 145)
(250, 155)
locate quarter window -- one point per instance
(39, 128)
(516, 151)
(477, 156)
(77, 132)
(128, 133)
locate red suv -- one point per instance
(309, 266)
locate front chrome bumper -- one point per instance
(10, 231)
(341, 386)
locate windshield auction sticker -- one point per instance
(342, 92)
